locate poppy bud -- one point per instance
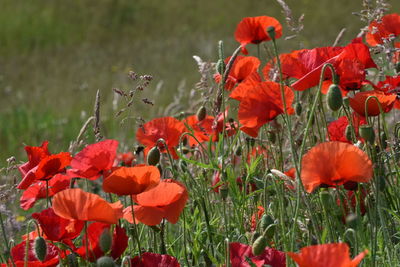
(105, 261)
(153, 157)
(266, 220)
(334, 97)
(40, 248)
(254, 237)
(346, 102)
(105, 240)
(270, 231)
(71, 260)
(271, 32)
(349, 133)
(325, 197)
(298, 108)
(259, 245)
(220, 66)
(352, 220)
(367, 132)
(383, 138)
(238, 151)
(184, 141)
(201, 113)
(272, 137)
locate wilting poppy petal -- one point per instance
(149, 259)
(378, 30)
(334, 163)
(80, 205)
(357, 102)
(327, 255)
(131, 180)
(239, 252)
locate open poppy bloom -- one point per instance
(57, 228)
(48, 167)
(166, 200)
(125, 159)
(261, 104)
(167, 128)
(379, 30)
(38, 190)
(239, 252)
(202, 130)
(94, 160)
(75, 204)
(337, 128)
(95, 230)
(335, 163)
(391, 85)
(149, 259)
(241, 69)
(253, 30)
(131, 180)
(386, 101)
(327, 255)
(230, 126)
(35, 155)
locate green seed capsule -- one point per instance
(266, 220)
(259, 245)
(105, 261)
(201, 113)
(271, 32)
(367, 132)
(254, 237)
(105, 240)
(40, 248)
(334, 97)
(153, 157)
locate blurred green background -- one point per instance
(55, 54)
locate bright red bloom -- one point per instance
(35, 155)
(57, 228)
(391, 86)
(357, 102)
(216, 183)
(202, 130)
(327, 255)
(38, 190)
(46, 169)
(254, 30)
(241, 69)
(119, 241)
(125, 159)
(337, 128)
(166, 200)
(335, 163)
(167, 128)
(378, 30)
(230, 126)
(94, 160)
(75, 204)
(240, 92)
(256, 217)
(149, 259)
(239, 252)
(262, 104)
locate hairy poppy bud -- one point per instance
(71, 260)
(153, 157)
(367, 132)
(254, 237)
(271, 32)
(105, 240)
(259, 245)
(266, 220)
(383, 138)
(349, 133)
(220, 66)
(298, 108)
(201, 113)
(105, 261)
(334, 97)
(270, 231)
(40, 248)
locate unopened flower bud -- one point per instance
(259, 245)
(153, 157)
(266, 220)
(40, 248)
(334, 97)
(220, 66)
(105, 261)
(105, 240)
(367, 132)
(254, 237)
(201, 113)
(271, 32)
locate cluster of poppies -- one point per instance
(154, 199)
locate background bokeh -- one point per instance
(55, 55)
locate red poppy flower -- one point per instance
(35, 155)
(46, 169)
(119, 241)
(357, 102)
(202, 130)
(256, 217)
(167, 128)
(57, 228)
(38, 190)
(241, 69)
(94, 160)
(391, 85)
(216, 183)
(18, 255)
(131, 180)
(125, 159)
(230, 126)
(149, 259)
(166, 200)
(254, 30)
(379, 30)
(75, 204)
(337, 128)
(240, 92)
(335, 163)
(255, 152)
(327, 255)
(239, 252)
(262, 104)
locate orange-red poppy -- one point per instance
(241, 69)
(337, 128)
(202, 130)
(80, 205)
(327, 255)
(254, 30)
(167, 128)
(256, 217)
(35, 155)
(166, 200)
(149, 259)
(125, 159)
(334, 163)
(391, 85)
(131, 180)
(386, 101)
(379, 30)
(241, 254)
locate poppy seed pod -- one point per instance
(334, 97)
(40, 248)
(367, 132)
(105, 240)
(254, 237)
(270, 231)
(259, 245)
(271, 32)
(105, 261)
(201, 113)
(153, 158)
(220, 66)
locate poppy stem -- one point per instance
(3, 231)
(47, 194)
(162, 237)
(86, 242)
(135, 231)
